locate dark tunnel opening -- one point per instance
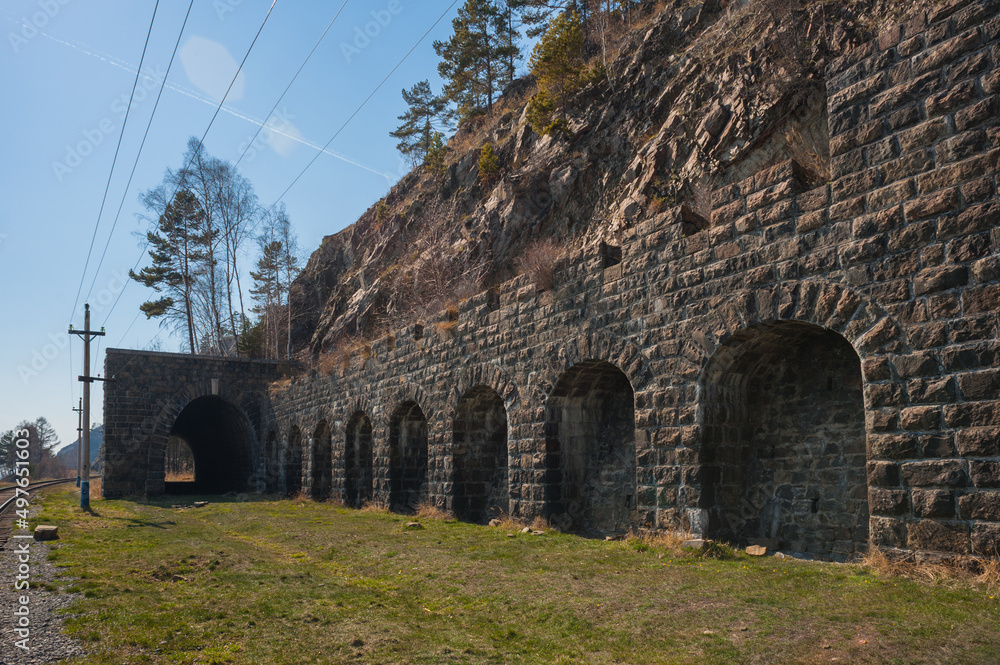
(221, 439)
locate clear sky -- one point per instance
(67, 69)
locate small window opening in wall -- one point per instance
(815, 506)
(611, 255)
(418, 331)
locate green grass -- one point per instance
(299, 582)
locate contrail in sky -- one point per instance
(111, 60)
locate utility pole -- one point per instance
(87, 379)
(79, 441)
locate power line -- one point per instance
(114, 161)
(135, 164)
(301, 67)
(367, 99)
(200, 142)
(125, 334)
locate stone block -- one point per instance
(46, 532)
(888, 501)
(985, 473)
(979, 442)
(934, 503)
(980, 506)
(936, 473)
(938, 536)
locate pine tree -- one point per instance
(436, 154)
(557, 62)
(489, 165)
(479, 59)
(267, 289)
(540, 13)
(179, 249)
(425, 112)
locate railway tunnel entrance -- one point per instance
(221, 441)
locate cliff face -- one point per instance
(698, 96)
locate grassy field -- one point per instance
(300, 582)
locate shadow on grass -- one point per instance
(171, 500)
(133, 523)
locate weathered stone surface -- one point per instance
(986, 539)
(938, 536)
(981, 506)
(888, 502)
(934, 503)
(979, 442)
(756, 550)
(984, 473)
(948, 473)
(851, 326)
(46, 532)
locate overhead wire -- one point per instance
(201, 142)
(362, 105)
(288, 87)
(135, 164)
(114, 161)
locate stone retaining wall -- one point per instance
(817, 370)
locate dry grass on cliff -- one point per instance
(539, 261)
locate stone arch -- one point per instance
(624, 355)
(869, 329)
(590, 454)
(321, 462)
(221, 411)
(482, 375)
(407, 451)
(293, 461)
(781, 417)
(358, 459)
(480, 455)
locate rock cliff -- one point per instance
(698, 95)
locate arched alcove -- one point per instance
(272, 474)
(293, 462)
(590, 449)
(783, 451)
(321, 468)
(407, 457)
(358, 475)
(480, 454)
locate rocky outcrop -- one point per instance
(698, 96)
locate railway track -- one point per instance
(8, 500)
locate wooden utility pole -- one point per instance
(79, 441)
(87, 379)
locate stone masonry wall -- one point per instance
(889, 273)
(144, 394)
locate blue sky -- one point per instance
(67, 68)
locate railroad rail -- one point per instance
(8, 497)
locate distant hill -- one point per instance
(69, 454)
